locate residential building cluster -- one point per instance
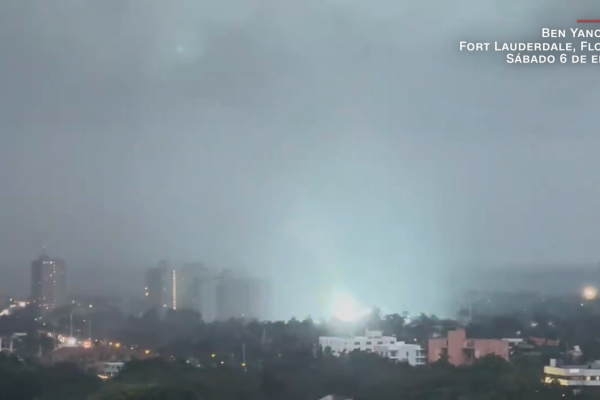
(223, 294)
(456, 347)
(375, 342)
(215, 294)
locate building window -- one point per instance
(357, 343)
(379, 342)
(368, 343)
(394, 353)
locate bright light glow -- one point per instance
(590, 293)
(346, 309)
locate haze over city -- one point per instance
(325, 146)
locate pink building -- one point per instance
(461, 350)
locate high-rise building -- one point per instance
(240, 296)
(188, 285)
(161, 287)
(196, 290)
(48, 282)
(208, 299)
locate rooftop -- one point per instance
(584, 366)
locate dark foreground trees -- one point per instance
(21, 380)
(296, 375)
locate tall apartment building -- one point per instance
(215, 295)
(240, 296)
(48, 282)
(197, 290)
(161, 287)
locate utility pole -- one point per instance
(71, 324)
(90, 329)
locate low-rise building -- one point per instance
(375, 342)
(463, 351)
(110, 369)
(575, 376)
(412, 354)
(6, 345)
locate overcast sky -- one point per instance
(337, 144)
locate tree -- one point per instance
(66, 381)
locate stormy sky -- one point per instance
(326, 145)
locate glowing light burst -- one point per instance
(590, 293)
(347, 309)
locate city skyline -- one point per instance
(321, 152)
(565, 279)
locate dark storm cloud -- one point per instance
(323, 144)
